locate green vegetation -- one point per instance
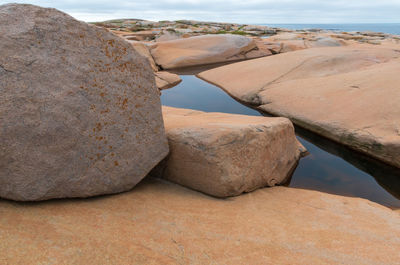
(239, 32)
(115, 21)
(185, 22)
(236, 32)
(136, 28)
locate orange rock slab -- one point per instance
(163, 223)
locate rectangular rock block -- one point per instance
(225, 154)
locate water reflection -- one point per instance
(345, 172)
(330, 167)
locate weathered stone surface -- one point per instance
(165, 80)
(262, 49)
(288, 42)
(262, 29)
(163, 223)
(199, 50)
(321, 41)
(348, 94)
(225, 154)
(145, 35)
(80, 113)
(168, 35)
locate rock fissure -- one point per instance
(274, 81)
(6, 70)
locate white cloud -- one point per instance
(250, 11)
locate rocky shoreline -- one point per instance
(81, 117)
(316, 54)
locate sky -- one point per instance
(238, 11)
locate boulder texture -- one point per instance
(200, 50)
(348, 94)
(80, 114)
(163, 223)
(225, 154)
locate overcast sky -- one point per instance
(240, 11)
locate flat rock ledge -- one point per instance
(164, 223)
(205, 49)
(225, 154)
(165, 80)
(80, 113)
(348, 94)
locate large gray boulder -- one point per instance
(80, 113)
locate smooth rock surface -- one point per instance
(348, 94)
(225, 154)
(80, 114)
(199, 50)
(165, 80)
(163, 223)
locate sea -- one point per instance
(390, 28)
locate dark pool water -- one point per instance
(329, 167)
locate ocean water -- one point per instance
(329, 167)
(391, 28)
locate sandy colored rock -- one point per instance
(80, 113)
(165, 80)
(321, 41)
(163, 223)
(225, 154)
(143, 49)
(262, 49)
(199, 50)
(259, 28)
(168, 35)
(289, 41)
(348, 94)
(145, 35)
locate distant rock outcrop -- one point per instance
(80, 114)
